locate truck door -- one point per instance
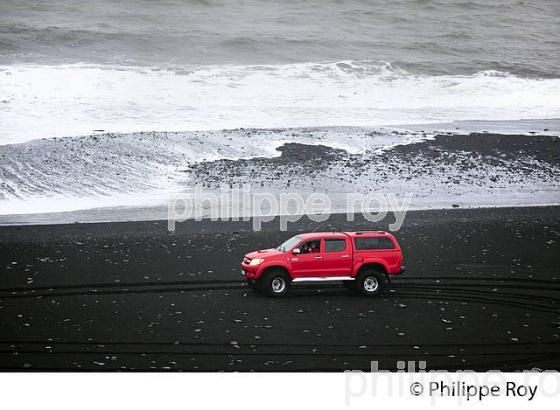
(309, 262)
(337, 257)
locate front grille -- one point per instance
(246, 260)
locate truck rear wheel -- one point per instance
(275, 283)
(370, 282)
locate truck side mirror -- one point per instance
(296, 251)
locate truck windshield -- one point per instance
(289, 244)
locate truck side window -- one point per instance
(311, 246)
(335, 245)
(379, 242)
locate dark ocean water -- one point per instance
(70, 67)
(420, 36)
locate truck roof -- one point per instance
(369, 233)
(341, 234)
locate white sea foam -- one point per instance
(71, 100)
(102, 170)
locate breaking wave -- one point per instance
(72, 100)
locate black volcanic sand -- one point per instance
(482, 291)
(480, 158)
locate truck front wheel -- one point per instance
(370, 282)
(275, 283)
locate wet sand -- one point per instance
(475, 170)
(481, 291)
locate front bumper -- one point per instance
(249, 272)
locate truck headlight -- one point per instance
(255, 262)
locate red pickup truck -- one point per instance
(363, 261)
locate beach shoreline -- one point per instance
(81, 180)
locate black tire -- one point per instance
(275, 283)
(371, 282)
